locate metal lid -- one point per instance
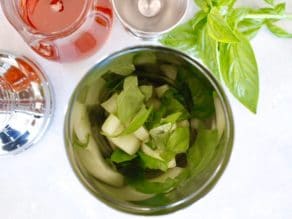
(26, 103)
(150, 18)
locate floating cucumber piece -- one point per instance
(112, 126)
(80, 121)
(147, 91)
(128, 143)
(94, 163)
(161, 90)
(145, 58)
(111, 104)
(94, 92)
(169, 70)
(220, 119)
(142, 134)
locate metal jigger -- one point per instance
(26, 103)
(149, 19)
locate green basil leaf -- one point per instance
(152, 163)
(250, 27)
(270, 2)
(172, 118)
(119, 156)
(228, 3)
(179, 140)
(240, 72)
(219, 29)
(278, 31)
(138, 121)
(208, 51)
(129, 101)
(202, 151)
(235, 16)
(205, 5)
(182, 37)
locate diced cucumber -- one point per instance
(112, 126)
(171, 163)
(161, 90)
(94, 163)
(184, 124)
(128, 143)
(130, 81)
(111, 104)
(152, 153)
(169, 70)
(147, 91)
(145, 58)
(80, 121)
(142, 134)
(220, 119)
(171, 173)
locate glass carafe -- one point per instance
(55, 40)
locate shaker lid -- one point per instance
(150, 18)
(26, 103)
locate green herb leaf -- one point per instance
(152, 163)
(250, 27)
(240, 72)
(278, 31)
(179, 140)
(182, 37)
(205, 5)
(201, 152)
(172, 118)
(138, 121)
(270, 2)
(219, 29)
(208, 51)
(129, 101)
(119, 156)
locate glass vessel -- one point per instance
(88, 161)
(61, 30)
(26, 103)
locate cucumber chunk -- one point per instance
(111, 104)
(169, 70)
(220, 119)
(142, 134)
(80, 121)
(94, 163)
(128, 143)
(112, 126)
(161, 90)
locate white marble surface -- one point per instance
(256, 184)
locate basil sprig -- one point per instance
(219, 35)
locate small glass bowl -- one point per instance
(90, 92)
